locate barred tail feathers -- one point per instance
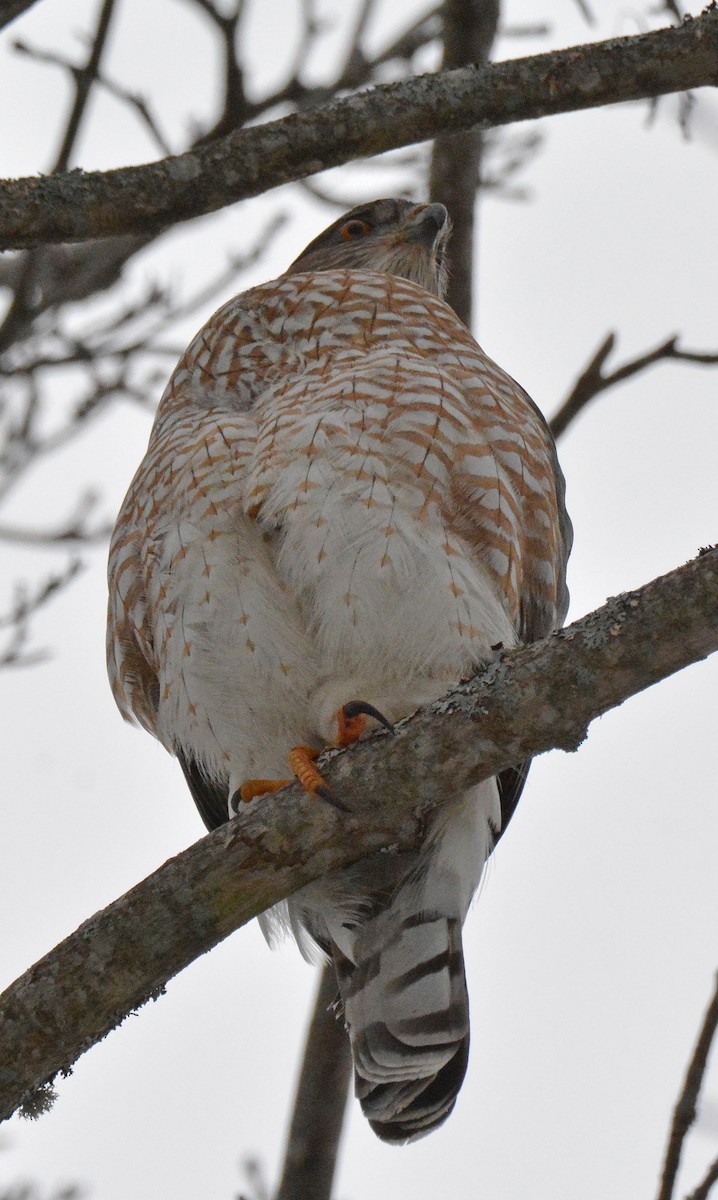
(403, 985)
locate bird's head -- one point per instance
(392, 236)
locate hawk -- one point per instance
(344, 506)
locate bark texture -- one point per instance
(528, 701)
(143, 199)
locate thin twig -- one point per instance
(25, 605)
(132, 99)
(593, 381)
(355, 63)
(672, 9)
(84, 78)
(684, 1113)
(406, 44)
(45, 538)
(257, 1187)
(706, 1184)
(235, 106)
(586, 12)
(21, 308)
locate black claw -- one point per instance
(355, 707)
(235, 801)
(328, 796)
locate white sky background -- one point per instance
(591, 952)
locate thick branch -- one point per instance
(313, 1142)
(76, 207)
(11, 9)
(469, 31)
(531, 700)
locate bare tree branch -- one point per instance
(25, 605)
(132, 99)
(672, 8)
(72, 272)
(705, 1186)
(77, 207)
(84, 78)
(313, 1143)
(593, 381)
(685, 1111)
(21, 309)
(10, 9)
(469, 32)
(235, 107)
(73, 531)
(530, 700)
(586, 12)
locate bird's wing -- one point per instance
(513, 471)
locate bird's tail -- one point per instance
(401, 976)
(407, 1013)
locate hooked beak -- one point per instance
(428, 224)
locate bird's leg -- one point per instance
(351, 723)
(301, 760)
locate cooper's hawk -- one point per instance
(344, 506)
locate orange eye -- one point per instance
(354, 229)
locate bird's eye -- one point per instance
(354, 229)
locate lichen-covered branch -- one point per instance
(75, 207)
(528, 701)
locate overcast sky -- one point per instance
(592, 948)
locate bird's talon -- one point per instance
(301, 760)
(351, 721)
(256, 787)
(328, 796)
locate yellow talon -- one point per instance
(258, 787)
